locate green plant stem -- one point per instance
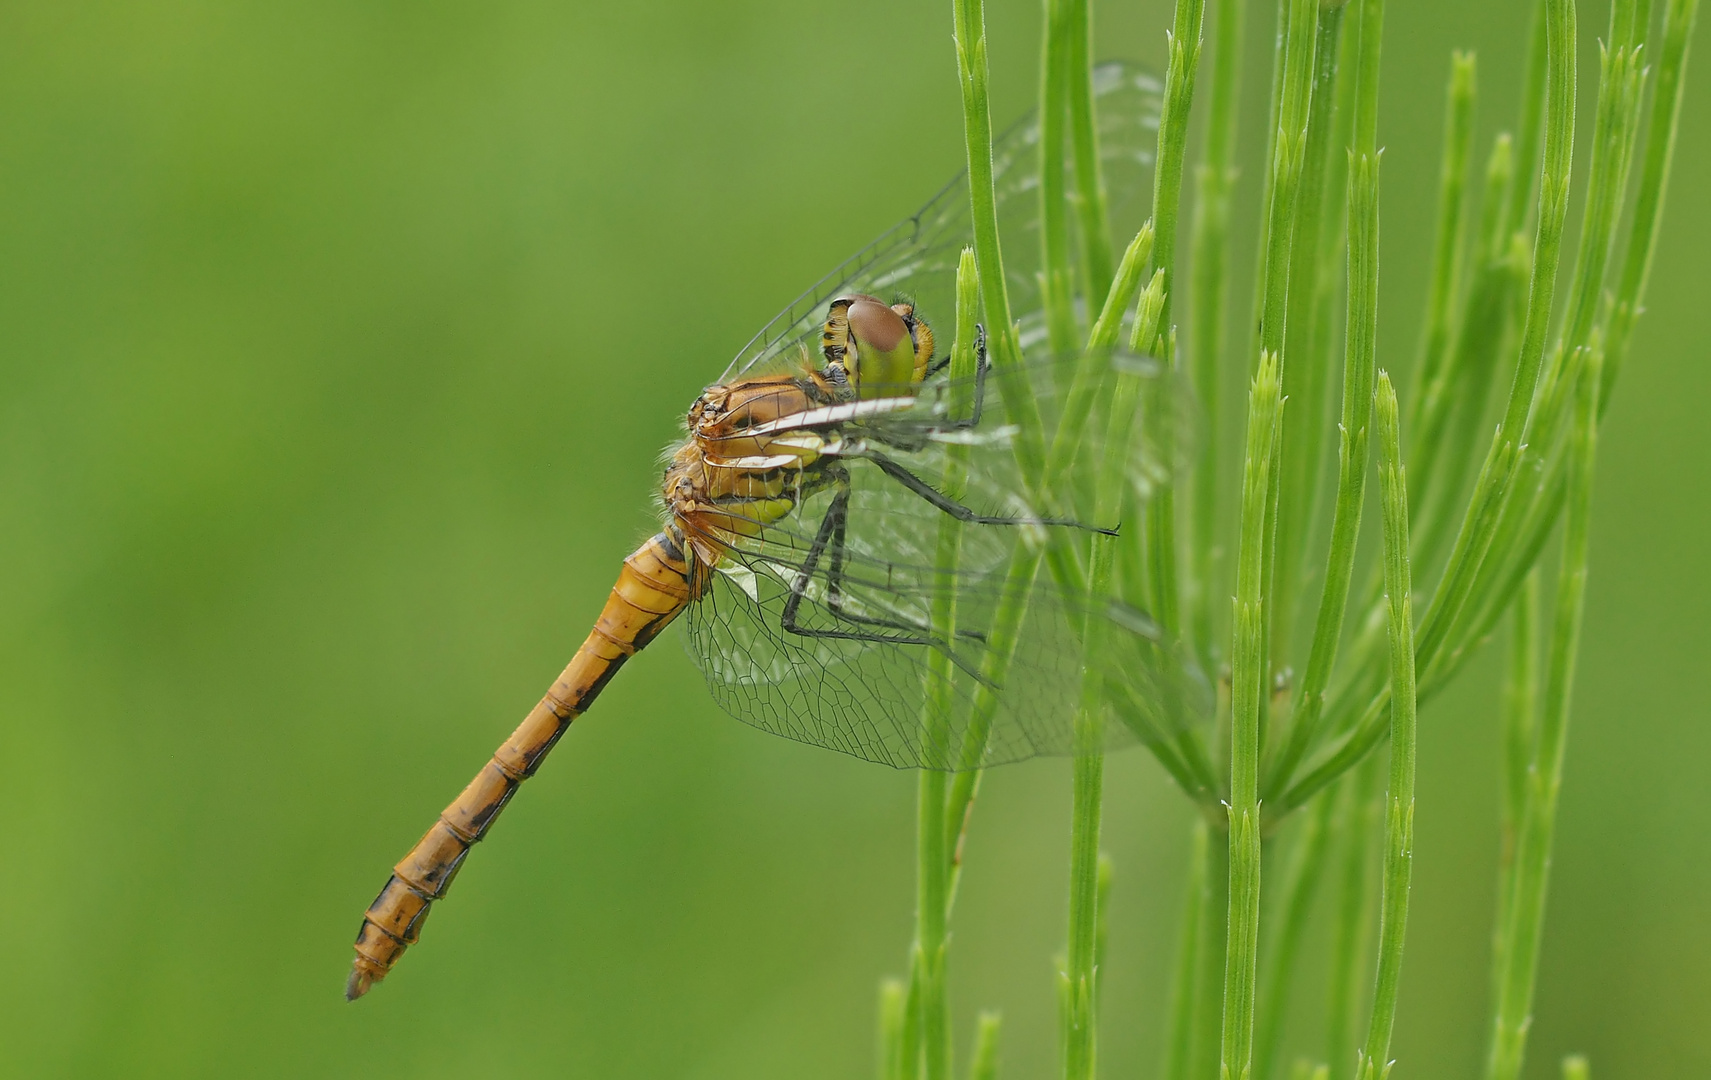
(909, 1053)
(1301, 884)
(930, 904)
(1679, 19)
(1089, 378)
(1078, 987)
(1491, 490)
(1057, 277)
(1308, 365)
(1361, 334)
(1453, 407)
(1158, 538)
(1184, 755)
(1096, 254)
(1399, 801)
(1671, 82)
(983, 1063)
(930, 923)
(1248, 682)
(1621, 79)
(1538, 819)
(1480, 522)
(969, 19)
(893, 1001)
(1530, 123)
(1357, 802)
(1575, 1067)
(1183, 44)
(1101, 923)
(1520, 709)
(1289, 143)
(1209, 990)
(965, 783)
(1081, 1035)
(1366, 77)
(934, 861)
(1215, 180)
(1541, 464)
(1179, 1046)
(1446, 270)
(1360, 350)
(1526, 521)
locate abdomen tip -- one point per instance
(359, 982)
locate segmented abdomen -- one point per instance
(657, 581)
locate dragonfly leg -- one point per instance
(981, 365)
(829, 543)
(956, 509)
(838, 516)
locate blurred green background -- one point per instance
(337, 344)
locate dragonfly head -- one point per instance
(875, 349)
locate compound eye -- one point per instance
(884, 348)
(876, 326)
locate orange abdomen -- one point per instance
(656, 583)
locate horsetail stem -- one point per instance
(1359, 360)
(1525, 917)
(1399, 799)
(1215, 180)
(1248, 682)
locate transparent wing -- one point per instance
(847, 624)
(918, 257)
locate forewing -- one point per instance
(918, 257)
(861, 660)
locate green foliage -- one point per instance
(1530, 472)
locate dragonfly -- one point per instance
(802, 513)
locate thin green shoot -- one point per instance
(1530, 122)
(1435, 344)
(1157, 541)
(1079, 977)
(1480, 522)
(1679, 17)
(1359, 359)
(1300, 886)
(1399, 800)
(1196, 894)
(1057, 276)
(1248, 682)
(1306, 342)
(1524, 932)
(893, 1001)
(1089, 200)
(1215, 181)
(1491, 490)
(1520, 714)
(983, 1063)
(933, 858)
(969, 20)
(1357, 894)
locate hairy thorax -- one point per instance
(758, 447)
(743, 466)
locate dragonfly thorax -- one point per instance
(744, 465)
(758, 446)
